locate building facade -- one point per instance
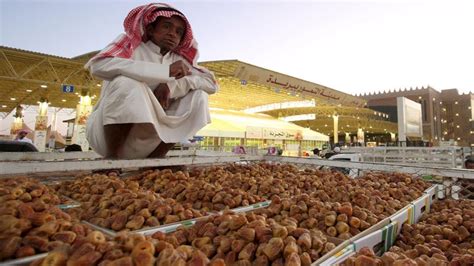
(457, 117)
(447, 116)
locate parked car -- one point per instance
(349, 157)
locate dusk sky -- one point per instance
(351, 46)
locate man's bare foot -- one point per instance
(161, 150)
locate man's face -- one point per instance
(167, 33)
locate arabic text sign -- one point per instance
(327, 93)
(295, 86)
(269, 133)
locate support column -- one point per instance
(348, 138)
(360, 136)
(336, 126)
(83, 110)
(392, 136)
(41, 126)
(17, 123)
(52, 133)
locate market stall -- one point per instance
(222, 210)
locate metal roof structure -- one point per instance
(244, 86)
(27, 77)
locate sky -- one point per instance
(351, 46)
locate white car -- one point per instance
(349, 157)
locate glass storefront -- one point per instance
(228, 144)
(254, 143)
(290, 147)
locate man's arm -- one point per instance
(196, 81)
(164, 92)
(148, 72)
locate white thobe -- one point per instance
(127, 97)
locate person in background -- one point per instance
(154, 94)
(21, 136)
(239, 150)
(272, 150)
(279, 151)
(332, 152)
(316, 152)
(469, 163)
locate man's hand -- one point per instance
(162, 94)
(179, 69)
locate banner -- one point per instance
(17, 125)
(360, 136)
(273, 133)
(82, 113)
(79, 137)
(41, 123)
(40, 140)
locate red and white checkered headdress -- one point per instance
(135, 28)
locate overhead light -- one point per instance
(98, 85)
(77, 93)
(4, 106)
(63, 100)
(13, 99)
(44, 86)
(28, 90)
